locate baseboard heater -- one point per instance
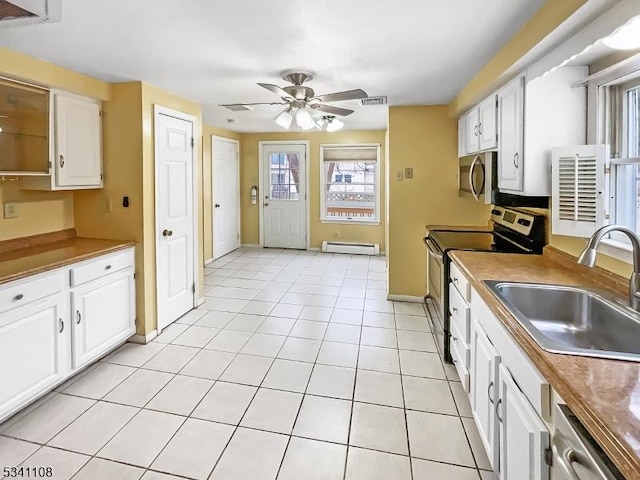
(353, 248)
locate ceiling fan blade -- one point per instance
(277, 90)
(332, 110)
(240, 107)
(346, 95)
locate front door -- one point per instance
(175, 228)
(284, 195)
(226, 196)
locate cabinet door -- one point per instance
(488, 124)
(34, 351)
(462, 137)
(511, 136)
(78, 155)
(103, 315)
(524, 439)
(473, 135)
(484, 375)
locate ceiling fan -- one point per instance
(300, 100)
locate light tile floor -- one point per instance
(295, 367)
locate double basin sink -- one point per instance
(572, 320)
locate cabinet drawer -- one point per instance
(460, 281)
(461, 364)
(461, 347)
(459, 313)
(101, 266)
(21, 292)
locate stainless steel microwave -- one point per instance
(475, 177)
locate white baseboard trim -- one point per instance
(405, 298)
(314, 249)
(250, 245)
(143, 339)
(208, 262)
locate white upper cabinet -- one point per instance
(535, 115)
(477, 129)
(76, 147)
(511, 137)
(78, 152)
(488, 126)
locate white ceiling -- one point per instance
(414, 51)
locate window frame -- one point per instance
(606, 114)
(377, 186)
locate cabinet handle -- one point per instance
(61, 325)
(480, 128)
(455, 280)
(61, 161)
(498, 410)
(515, 159)
(489, 394)
(18, 297)
(455, 339)
(475, 130)
(108, 267)
(454, 310)
(79, 315)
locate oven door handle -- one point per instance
(472, 168)
(432, 248)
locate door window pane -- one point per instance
(284, 176)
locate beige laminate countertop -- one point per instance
(604, 394)
(20, 263)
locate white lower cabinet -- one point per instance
(524, 438)
(43, 341)
(484, 391)
(34, 350)
(102, 313)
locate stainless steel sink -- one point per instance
(572, 320)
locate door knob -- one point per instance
(266, 204)
(167, 233)
(217, 205)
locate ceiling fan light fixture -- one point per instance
(334, 125)
(284, 119)
(304, 119)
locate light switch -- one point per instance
(10, 210)
(399, 176)
(408, 172)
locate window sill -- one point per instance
(619, 250)
(351, 222)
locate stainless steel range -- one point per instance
(514, 231)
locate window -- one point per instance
(349, 182)
(285, 176)
(618, 117)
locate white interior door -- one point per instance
(174, 227)
(226, 196)
(284, 195)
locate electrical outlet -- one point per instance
(399, 175)
(408, 172)
(10, 210)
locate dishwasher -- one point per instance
(576, 455)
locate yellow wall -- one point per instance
(129, 168)
(99, 213)
(207, 171)
(249, 175)
(546, 19)
(424, 138)
(42, 212)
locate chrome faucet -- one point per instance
(588, 258)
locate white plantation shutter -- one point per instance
(578, 177)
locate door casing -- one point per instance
(261, 185)
(162, 110)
